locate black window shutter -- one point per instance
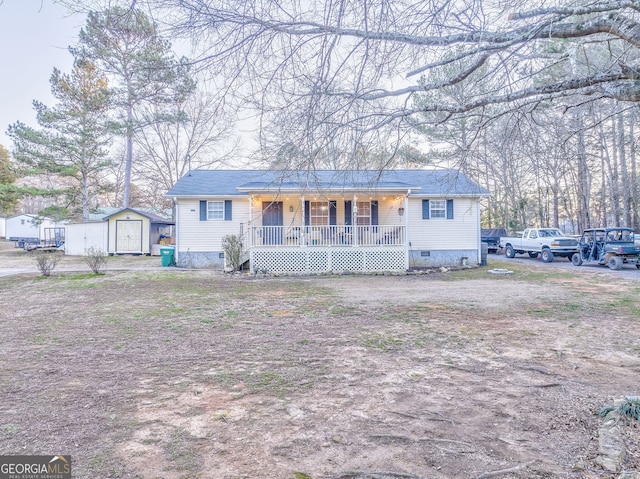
(307, 213)
(374, 215)
(425, 209)
(347, 212)
(227, 210)
(333, 210)
(203, 210)
(449, 209)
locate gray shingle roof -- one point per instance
(202, 183)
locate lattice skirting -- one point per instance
(337, 260)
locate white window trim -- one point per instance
(210, 211)
(359, 215)
(438, 213)
(324, 208)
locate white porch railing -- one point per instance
(310, 236)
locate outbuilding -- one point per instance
(131, 231)
(27, 226)
(122, 231)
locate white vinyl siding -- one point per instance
(206, 236)
(461, 232)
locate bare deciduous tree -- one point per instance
(199, 138)
(342, 77)
(354, 62)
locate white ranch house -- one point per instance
(339, 221)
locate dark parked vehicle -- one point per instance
(491, 236)
(611, 246)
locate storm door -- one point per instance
(272, 221)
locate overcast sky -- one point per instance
(34, 36)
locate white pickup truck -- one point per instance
(546, 242)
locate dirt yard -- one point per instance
(174, 374)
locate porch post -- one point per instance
(479, 239)
(407, 249)
(354, 221)
(302, 241)
(250, 221)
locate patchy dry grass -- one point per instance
(177, 374)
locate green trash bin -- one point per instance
(167, 254)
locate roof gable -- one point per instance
(154, 218)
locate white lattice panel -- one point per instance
(384, 260)
(347, 260)
(320, 260)
(279, 261)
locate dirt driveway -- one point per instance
(194, 374)
(628, 272)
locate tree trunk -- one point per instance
(603, 184)
(624, 172)
(85, 197)
(555, 190)
(615, 177)
(584, 183)
(128, 159)
(634, 175)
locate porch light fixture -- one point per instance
(291, 209)
(400, 211)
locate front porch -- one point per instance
(362, 232)
(315, 249)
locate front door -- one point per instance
(129, 236)
(272, 221)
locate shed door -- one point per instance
(128, 236)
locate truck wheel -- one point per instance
(509, 252)
(547, 255)
(533, 254)
(576, 259)
(615, 262)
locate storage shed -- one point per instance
(81, 237)
(133, 231)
